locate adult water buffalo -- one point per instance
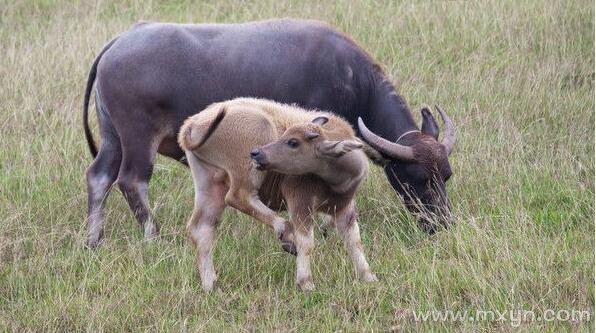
(154, 76)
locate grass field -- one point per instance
(516, 76)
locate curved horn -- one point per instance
(449, 136)
(385, 146)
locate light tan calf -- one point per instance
(313, 163)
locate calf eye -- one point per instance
(293, 143)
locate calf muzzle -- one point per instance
(258, 158)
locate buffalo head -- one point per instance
(418, 168)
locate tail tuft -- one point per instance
(376, 157)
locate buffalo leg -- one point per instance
(347, 226)
(133, 179)
(210, 190)
(101, 175)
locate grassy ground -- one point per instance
(516, 76)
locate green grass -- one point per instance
(516, 76)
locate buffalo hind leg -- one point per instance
(210, 190)
(347, 227)
(101, 175)
(133, 180)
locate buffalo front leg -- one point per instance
(347, 226)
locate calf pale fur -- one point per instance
(309, 160)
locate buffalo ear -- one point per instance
(429, 125)
(334, 149)
(320, 120)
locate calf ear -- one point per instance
(336, 149)
(320, 120)
(311, 135)
(429, 125)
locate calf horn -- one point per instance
(449, 136)
(391, 149)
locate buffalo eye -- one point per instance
(293, 143)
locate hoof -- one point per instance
(208, 280)
(369, 277)
(289, 247)
(151, 230)
(287, 244)
(327, 226)
(307, 285)
(208, 286)
(93, 242)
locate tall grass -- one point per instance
(516, 76)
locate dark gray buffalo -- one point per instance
(154, 76)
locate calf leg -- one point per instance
(208, 207)
(243, 196)
(347, 226)
(327, 224)
(133, 179)
(304, 240)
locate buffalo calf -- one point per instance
(259, 156)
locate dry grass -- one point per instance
(517, 77)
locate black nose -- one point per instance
(255, 153)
